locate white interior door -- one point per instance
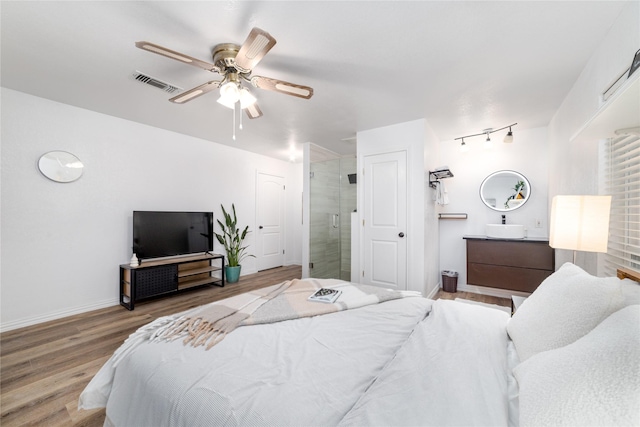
(270, 221)
(385, 220)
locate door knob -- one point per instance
(260, 227)
(401, 234)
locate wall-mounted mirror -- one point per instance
(505, 190)
(60, 166)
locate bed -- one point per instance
(568, 356)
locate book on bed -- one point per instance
(325, 295)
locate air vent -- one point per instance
(152, 81)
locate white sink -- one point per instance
(505, 231)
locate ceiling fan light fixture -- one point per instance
(226, 102)
(230, 92)
(257, 46)
(188, 96)
(293, 89)
(235, 64)
(253, 111)
(167, 53)
(246, 98)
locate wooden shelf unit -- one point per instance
(152, 279)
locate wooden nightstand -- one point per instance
(516, 302)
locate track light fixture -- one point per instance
(508, 138)
(464, 147)
(487, 143)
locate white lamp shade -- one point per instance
(246, 99)
(508, 138)
(580, 223)
(229, 104)
(229, 94)
(230, 91)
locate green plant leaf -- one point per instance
(231, 237)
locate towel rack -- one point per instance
(438, 175)
(452, 216)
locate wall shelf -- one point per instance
(445, 215)
(437, 175)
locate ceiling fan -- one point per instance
(235, 64)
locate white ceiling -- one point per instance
(463, 66)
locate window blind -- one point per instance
(622, 182)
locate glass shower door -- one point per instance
(324, 233)
(332, 199)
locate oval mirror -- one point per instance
(60, 166)
(505, 190)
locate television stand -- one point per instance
(152, 279)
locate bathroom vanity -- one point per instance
(511, 264)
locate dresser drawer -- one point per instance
(522, 254)
(501, 277)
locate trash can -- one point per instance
(449, 281)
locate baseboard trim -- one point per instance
(17, 324)
(433, 292)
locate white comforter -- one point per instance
(411, 361)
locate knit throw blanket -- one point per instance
(207, 325)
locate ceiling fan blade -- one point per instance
(254, 48)
(154, 48)
(283, 87)
(253, 111)
(195, 92)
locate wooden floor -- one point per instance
(44, 368)
(487, 299)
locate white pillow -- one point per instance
(566, 306)
(594, 381)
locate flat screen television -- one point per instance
(166, 234)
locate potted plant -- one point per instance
(517, 197)
(519, 188)
(231, 238)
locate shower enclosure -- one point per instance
(332, 198)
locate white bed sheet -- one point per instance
(411, 361)
(452, 371)
(304, 372)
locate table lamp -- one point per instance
(580, 223)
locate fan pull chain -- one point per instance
(234, 121)
(240, 116)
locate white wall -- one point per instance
(293, 214)
(527, 155)
(431, 226)
(574, 162)
(62, 243)
(550, 158)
